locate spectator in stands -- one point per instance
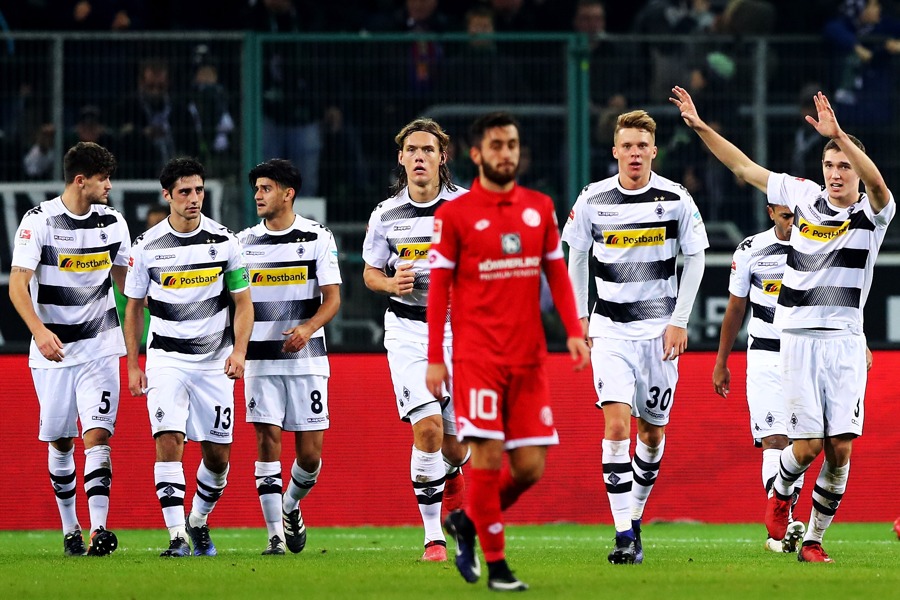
(613, 64)
(478, 71)
(514, 16)
(38, 161)
(90, 128)
(295, 87)
(212, 124)
(150, 123)
(863, 43)
(99, 15)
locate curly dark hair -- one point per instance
(177, 168)
(281, 171)
(88, 159)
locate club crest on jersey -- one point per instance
(628, 238)
(213, 252)
(659, 210)
(531, 217)
(771, 287)
(510, 243)
(81, 263)
(285, 276)
(189, 279)
(821, 233)
(413, 251)
(103, 236)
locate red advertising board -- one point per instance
(710, 472)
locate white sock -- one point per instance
(826, 497)
(62, 476)
(210, 487)
(617, 476)
(169, 477)
(646, 470)
(428, 477)
(788, 472)
(300, 485)
(269, 488)
(770, 462)
(97, 480)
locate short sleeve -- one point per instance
(137, 281)
(122, 255)
(236, 275)
(691, 230)
(739, 281)
(577, 230)
(28, 243)
(327, 270)
(376, 251)
(784, 190)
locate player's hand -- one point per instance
(436, 377)
(579, 351)
(403, 279)
(234, 366)
(585, 323)
(49, 345)
(869, 359)
(722, 380)
(827, 124)
(685, 104)
(674, 342)
(137, 381)
(297, 338)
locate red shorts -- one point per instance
(500, 402)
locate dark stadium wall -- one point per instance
(710, 473)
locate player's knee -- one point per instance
(528, 474)
(428, 434)
(96, 437)
(454, 451)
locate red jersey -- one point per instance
(495, 244)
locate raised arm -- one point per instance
(827, 125)
(730, 155)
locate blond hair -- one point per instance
(636, 119)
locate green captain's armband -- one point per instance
(238, 280)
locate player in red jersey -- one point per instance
(488, 248)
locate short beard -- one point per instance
(497, 177)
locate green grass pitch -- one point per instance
(688, 561)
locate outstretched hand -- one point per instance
(685, 104)
(827, 124)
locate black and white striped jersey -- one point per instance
(634, 237)
(287, 269)
(399, 231)
(183, 276)
(71, 290)
(757, 269)
(833, 251)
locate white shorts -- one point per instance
(824, 379)
(87, 391)
(765, 397)
(633, 372)
(199, 404)
(409, 362)
(292, 402)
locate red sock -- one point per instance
(510, 489)
(484, 510)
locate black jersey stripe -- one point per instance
(202, 345)
(170, 240)
(632, 272)
(272, 350)
(773, 250)
(765, 314)
(294, 237)
(192, 311)
(286, 310)
(642, 310)
(768, 344)
(50, 254)
(848, 258)
(59, 295)
(87, 330)
(614, 196)
(410, 211)
(405, 311)
(820, 296)
(93, 221)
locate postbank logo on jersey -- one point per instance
(80, 263)
(413, 251)
(189, 279)
(285, 276)
(821, 233)
(628, 238)
(771, 287)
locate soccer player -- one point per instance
(756, 272)
(64, 253)
(834, 243)
(488, 250)
(632, 226)
(395, 252)
(295, 282)
(186, 267)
